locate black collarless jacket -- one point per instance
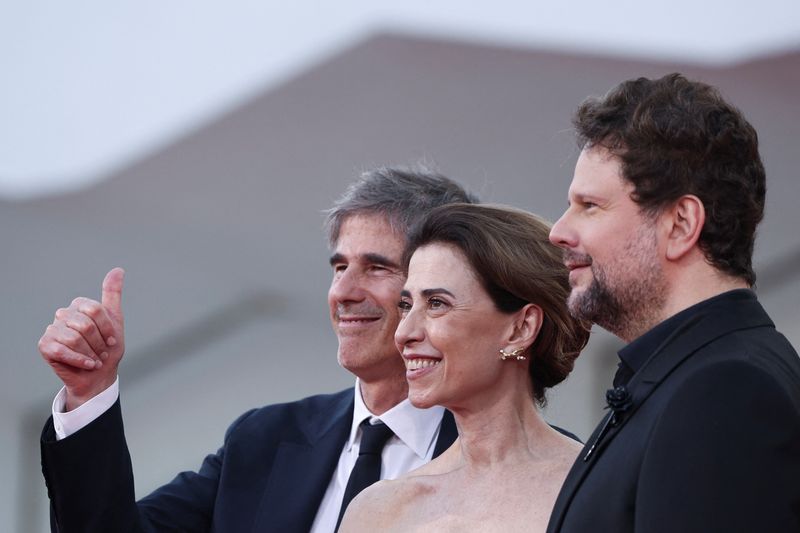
(710, 441)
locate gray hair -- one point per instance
(402, 195)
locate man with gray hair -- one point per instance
(286, 467)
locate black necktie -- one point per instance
(368, 465)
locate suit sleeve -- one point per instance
(724, 456)
(90, 484)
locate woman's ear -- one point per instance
(526, 325)
(684, 220)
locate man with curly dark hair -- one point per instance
(703, 429)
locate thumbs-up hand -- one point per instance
(86, 341)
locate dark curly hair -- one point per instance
(674, 137)
(511, 253)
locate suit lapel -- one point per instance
(302, 470)
(697, 331)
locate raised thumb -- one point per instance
(112, 291)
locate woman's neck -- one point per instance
(506, 428)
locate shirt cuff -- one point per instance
(67, 423)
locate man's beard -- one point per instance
(625, 297)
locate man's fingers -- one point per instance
(61, 333)
(55, 352)
(86, 334)
(94, 311)
(112, 292)
(86, 328)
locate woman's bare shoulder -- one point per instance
(382, 505)
(367, 510)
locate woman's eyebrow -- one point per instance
(431, 292)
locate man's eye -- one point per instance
(339, 268)
(404, 306)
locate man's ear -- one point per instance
(526, 326)
(684, 222)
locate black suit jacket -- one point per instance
(270, 474)
(711, 441)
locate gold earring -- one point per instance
(516, 354)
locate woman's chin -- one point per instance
(421, 399)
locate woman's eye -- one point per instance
(436, 303)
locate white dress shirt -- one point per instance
(411, 446)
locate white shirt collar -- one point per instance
(417, 428)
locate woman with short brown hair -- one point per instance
(485, 330)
